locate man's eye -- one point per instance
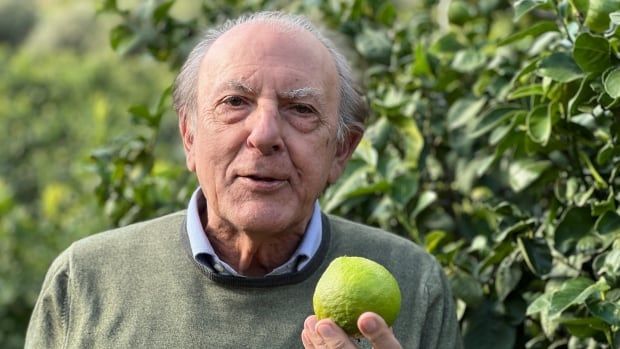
(303, 109)
(234, 101)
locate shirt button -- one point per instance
(219, 267)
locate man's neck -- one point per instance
(251, 255)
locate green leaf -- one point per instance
(379, 133)
(498, 254)
(612, 83)
(414, 141)
(162, 10)
(404, 187)
(484, 328)
(467, 288)
(467, 61)
(387, 13)
(537, 255)
(527, 68)
(574, 292)
(540, 304)
(374, 45)
(615, 17)
(522, 7)
(515, 228)
(549, 325)
(524, 172)
(140, 112)
(559, 66)
(600, 207)
(539, 124)
(447, 44)
(433, 240)
(507, 277)
(421, 66)
(575, 224)
(608, 224)
(483, 163)
(491, 119)
(393, 99)
(498, 134)
(581, 6)
(534, 30)
(584, 93)
(463, 110)
(376, 187)
(107, 5)
(164, 98)
(606, 311)
(611, 266)
(584, 327)
(598, 180)
(120, 36)
(591, 53)
(355, 180)
(583, 196)
(597, 18)
(526, 91)
(424, 201)
(366, 152)
(469, 170)
(605, 153)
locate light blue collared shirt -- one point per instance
(203, 251)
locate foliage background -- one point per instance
(493, 143)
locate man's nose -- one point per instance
(265, 130)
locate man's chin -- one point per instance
(265, 222)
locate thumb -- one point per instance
(374, 328)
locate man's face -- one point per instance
(264, 144)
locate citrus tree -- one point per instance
(494, 143)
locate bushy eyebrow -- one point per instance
(303, 92)
(240, 86)
(298, 93)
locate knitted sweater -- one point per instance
(139, 287)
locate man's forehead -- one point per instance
(291, 61)
(262, 39)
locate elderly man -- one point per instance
(269, 117)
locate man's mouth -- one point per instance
(263, 182)
(263, 179)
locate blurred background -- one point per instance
(63, 93)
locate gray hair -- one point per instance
(353, 108)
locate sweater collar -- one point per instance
(267, 281)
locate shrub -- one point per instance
(54, 109)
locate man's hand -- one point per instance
(325, 334)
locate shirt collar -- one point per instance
(203, 251)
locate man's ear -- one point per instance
(343, 154)
(187, 135)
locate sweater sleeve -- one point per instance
(441, 330)
(48, 322)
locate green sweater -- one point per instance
(139, 287)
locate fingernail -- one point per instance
(325, 330)
(369, 325)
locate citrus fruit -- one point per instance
(351, 286)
